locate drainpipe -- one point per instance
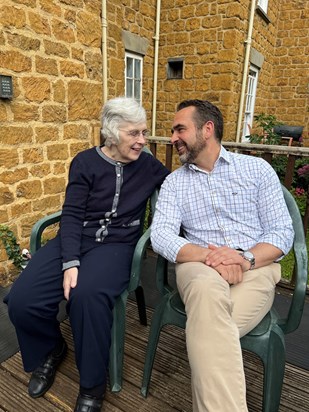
(155, 70)
(245, 73)
(104, 50)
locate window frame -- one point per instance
(252, 82)
(135, 57)
(263, 4)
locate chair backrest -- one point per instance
(291, 322)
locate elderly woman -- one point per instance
(89, 260)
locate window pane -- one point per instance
(129, 67)
(137, 90)
(129, 88)
(137, 72)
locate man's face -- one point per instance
(187, 139)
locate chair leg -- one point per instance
(117, 344)
(141, 306)
(274, 371)
(154, 334)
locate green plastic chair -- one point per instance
(119, 312)
(266, 340)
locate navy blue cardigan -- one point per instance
(105, 200)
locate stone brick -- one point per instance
(59, 168)
(88, 29)
(32, 155)
(15, 135)
(39, 24)
(11, 16)
(231, 38)
(221, 82)
(14, 60)
(78, 147)
(29, 190)
(9, 177)
(20, 209)
(47, 203)
(23, 42)
(40, 170)
(71, 69)
(76, 131)
(30, 3)
(62, 31)
(57, 49)
(54, 113)
(84, 99)
(57, 152)
(25, 112)
(8, 158)
(46, 66)
(4, 217)
(93, 66)
(36, 88)
(59, 91)
(3, 112)
(6, 196)
(54, 185)
(51, 8)
(46, 134)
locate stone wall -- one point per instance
(283, 80)
(53, 51)
(204, 34)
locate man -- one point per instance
(235, 225)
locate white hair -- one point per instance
(117, 111)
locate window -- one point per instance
(250, 101)
(175, 68)
(263, 4)
(133, 76)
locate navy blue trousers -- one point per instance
(34, 299)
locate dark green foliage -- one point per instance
(267, 123)
(11, 246)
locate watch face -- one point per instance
(248, 255)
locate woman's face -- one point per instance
(132, 140)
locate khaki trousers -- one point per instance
(217, 316)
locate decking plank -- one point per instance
(170, 383)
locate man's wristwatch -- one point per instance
(246, 254)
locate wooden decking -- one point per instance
(170, 384)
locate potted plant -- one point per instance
(268, 135)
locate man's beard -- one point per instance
(192, 151)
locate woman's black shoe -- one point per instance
(43, 377)
(87, 403)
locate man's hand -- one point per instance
(225, 256)
(231, 273)
(69, 280)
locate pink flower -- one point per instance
(303, 171)
(299, 191)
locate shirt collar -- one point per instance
(224, 157)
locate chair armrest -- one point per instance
(38, 228)
(139, 252)
(162, 276)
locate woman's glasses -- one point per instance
(136, 133)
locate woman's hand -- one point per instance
(69, 280)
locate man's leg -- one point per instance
(214, 351)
